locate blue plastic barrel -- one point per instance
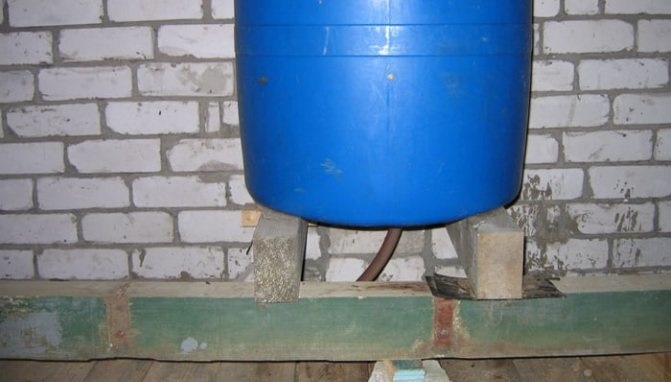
(383, 112)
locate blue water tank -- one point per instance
(383, 112)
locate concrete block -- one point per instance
(491, 249)
(279, 248)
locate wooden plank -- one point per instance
(486, 370)
(40, 371)
(567, 369)
(279, 248)
(490, 246)
(201, 321)
(635, 368)
(183, 371)
(332, 372)
(119, 370)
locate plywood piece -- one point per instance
(490, 246)
(566, 369)
(250, 218)
(183, 371)
(497, 370)
(631, 368)
(119, 370)
(332, 372)
(40, 371)
(257, 371)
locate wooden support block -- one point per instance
(491, 249)
(279, 248)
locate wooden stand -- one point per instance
(491, 249)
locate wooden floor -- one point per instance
(635, 368)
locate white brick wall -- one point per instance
(199, 41)
(663, 145)
(38, 229)
(16, 86)
(210, 226)
(162, 117)
(54, 120)
(403, 269)
(361, 242)
(230, 110)
(73, 193)
(664, 216)
(31, 158)
(344, 269)
(16, 194)
(541, 148)
(146, 10)
(187, 191)
(553, 184)
(545, 8)
(239, 193)
(552, 75)
(639, 6)
(116, 156)
(16, 265)
(623, 74)
(608, 146)
(653, 35)
(206, 155)
(85, 82)
(83, 264)
(179, 263)
(585, 36)
(441, 244)
(581, 7)
(192, 79)
(38, 13)
(223, 9)
(630, 182)
(642, 109)
(569, 111)
(134, 227)
(25, 48)
(612, 218)
(634, 253)
(572, 255)
(92, 44)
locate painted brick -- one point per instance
(16, 265)
(545, 8)
(345, 241)
(116, 156)
(663, 145)
(200, 41)
(653, 35)
(652, 7)
(84, 83)
(25, 48)
(16, 194)
(54, 120)
(38, 229)
(664, 216)
(97, 44)
(240, 264)
(536, 48)
(39, 13)
(141, 10)
(586, 36)
(441, 244)
(572, 255)
(83, 264)
(160, 117)
(16, 86)
(230, 111)
(213, 226)
(634, 253)
(552, 75)
(223, 9)
(569, 111)
(631, 181)
(73, 193)
(179, 263)
(552, 184)
(593, 218)
(347, 269)
(403, 269)
(213, 121)
(239, 193)
(541, 148)
(623, 74)
(581, 7)
(211, 79)
(187, 191)
(206, 155)
(642, 109)
(608, 146)
(31, 158)
(312, 249)
(134, 227)
(537, 218)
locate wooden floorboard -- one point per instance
(629, 368)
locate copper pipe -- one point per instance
(383, 255)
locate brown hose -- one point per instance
(383, 255)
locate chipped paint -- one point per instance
(32, 334)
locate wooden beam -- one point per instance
(199, 321)
(490, 246)
(279, 249)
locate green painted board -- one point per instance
(52, 327)
(313, 328)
